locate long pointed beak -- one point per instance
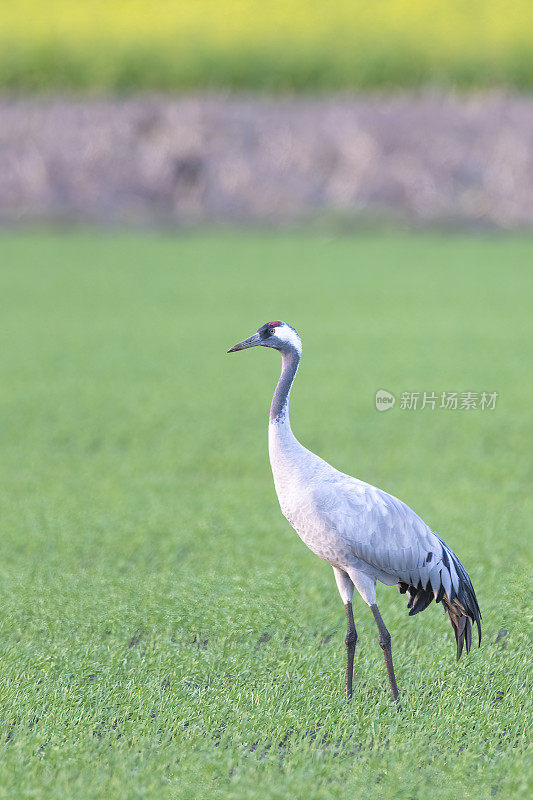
(252, 341)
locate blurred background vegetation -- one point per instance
(275, 45)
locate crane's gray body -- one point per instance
(359, 529)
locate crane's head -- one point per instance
(275, 334)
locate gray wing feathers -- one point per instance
(446, 581)
(423, 573)
(382, 531)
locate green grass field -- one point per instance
(163, 631)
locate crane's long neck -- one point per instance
(279, 423)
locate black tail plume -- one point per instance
(461, 624)
(461, 605)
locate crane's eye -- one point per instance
(272, 331)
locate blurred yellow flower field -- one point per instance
(271, 44)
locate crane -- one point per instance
(366, 534)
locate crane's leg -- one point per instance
(350, 640)
(346, 587)
(385, 642)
